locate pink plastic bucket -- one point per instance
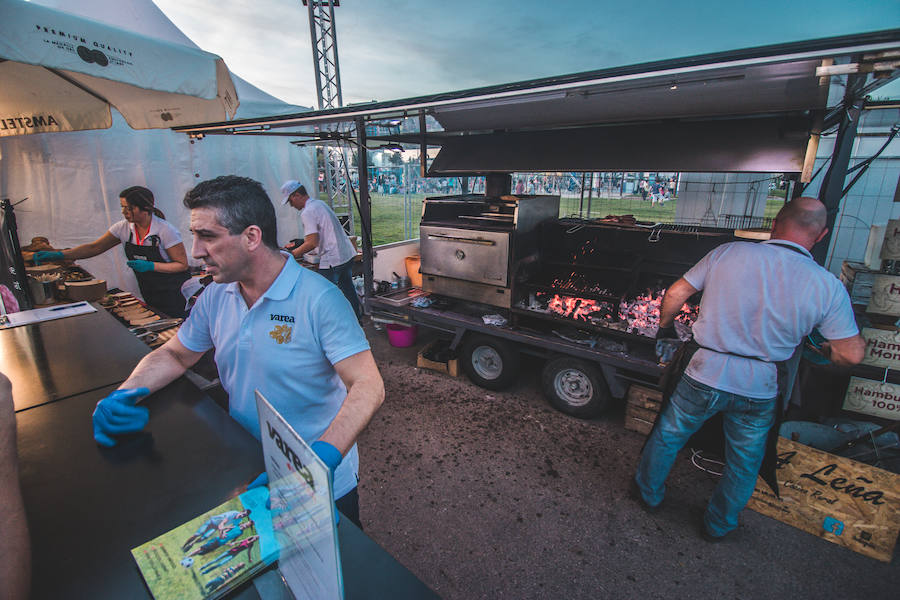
(400, 336)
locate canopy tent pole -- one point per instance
(365, 208)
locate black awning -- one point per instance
(765, 144)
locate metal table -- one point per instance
(88, 506)
(56, 359)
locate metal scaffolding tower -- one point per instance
(323, 36)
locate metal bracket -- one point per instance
(423, 147)
(457, 337)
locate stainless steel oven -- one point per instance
(471, 246)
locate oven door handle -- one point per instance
(461, 240)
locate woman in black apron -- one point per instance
(144, 233)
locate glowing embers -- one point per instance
(638, 315)
(583, 309)
(641, 314)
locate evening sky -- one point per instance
(392, 49)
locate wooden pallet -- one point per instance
(642, 408)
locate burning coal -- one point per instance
(642, 313)
(639, 315)
(583, 309)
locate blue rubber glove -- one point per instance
(46, 256)
(261, 479)
(330, 455)
(812, 348)
(140, 266)
(117, 414)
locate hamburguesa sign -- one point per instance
(882, 348)
(890, 247)
(885, 295)
(873, 398)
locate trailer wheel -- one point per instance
(575, 387)
(490, 362)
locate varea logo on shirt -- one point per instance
(282, 318)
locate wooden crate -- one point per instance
(642, 408)
(450, 367)
(858, 279)
(837, 499)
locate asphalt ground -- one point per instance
(488, 494)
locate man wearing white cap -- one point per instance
(322, 230)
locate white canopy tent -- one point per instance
(61, 72)
(72, 179)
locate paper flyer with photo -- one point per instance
(212, 554)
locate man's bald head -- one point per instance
(802, 221)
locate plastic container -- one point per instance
(44, 292)
(401, 336)
(412, 269)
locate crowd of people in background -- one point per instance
(655, 188)
(657, 192)
(391, 183)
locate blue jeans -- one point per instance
(342, 276)
(746, 423)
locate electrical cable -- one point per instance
(864, 165)
(697, 457)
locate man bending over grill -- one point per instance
(276, 327)
(759, 301)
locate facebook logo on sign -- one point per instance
(834, 526)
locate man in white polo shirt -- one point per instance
(275, 327)
(759, 301)
(323, 231)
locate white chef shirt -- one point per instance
(285, 346)
(166, 232)
(335, 248)
(760, 300)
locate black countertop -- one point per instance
(88, 506)
(56, 359)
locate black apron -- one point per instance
(162, 291)
(710, 436)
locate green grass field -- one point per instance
(387, 212)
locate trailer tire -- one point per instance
(575, 387)
(490, 362)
